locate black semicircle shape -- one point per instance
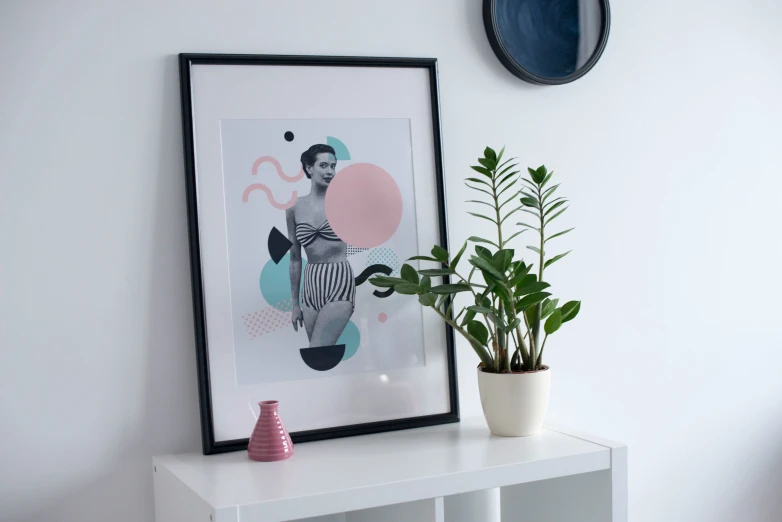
(371, 270)
(384, 293)
(323, 358)
(278, 244)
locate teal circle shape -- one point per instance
(340, 149)
(351, 339)
(275, 283)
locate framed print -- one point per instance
(306, 176)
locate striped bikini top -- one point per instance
(306, 233)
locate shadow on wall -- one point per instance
(121, 489)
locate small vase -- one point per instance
(515, 404)
(269, 440)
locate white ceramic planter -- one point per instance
(514, 404)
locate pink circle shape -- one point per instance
(364, 205)
(382, 317)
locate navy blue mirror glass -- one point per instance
(547, 42)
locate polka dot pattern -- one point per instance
(286, 305)
(265, 321)
(355, 250)
(384, 256)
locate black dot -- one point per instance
(289, 136)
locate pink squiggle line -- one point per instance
(280, 173)
(265, 189)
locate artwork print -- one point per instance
(313, 209)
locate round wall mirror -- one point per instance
(547, 42)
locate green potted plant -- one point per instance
(510, 311)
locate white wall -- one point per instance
(670, 150)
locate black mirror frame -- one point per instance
(492, 31)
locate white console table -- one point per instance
(450, 473)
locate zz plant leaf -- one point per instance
(553, 322)
(409, 274)
(427, 299)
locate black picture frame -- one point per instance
(507, 60)
(186, 60)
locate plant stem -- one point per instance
(457, 274)
(535, 342)
(501, 345)
(526, 360)
(505, 337)
(497, 209)
(507, 351)
(540, 357)
(449, 308)
(520, 346)
(482, 351)
(542, 238)
(492, 334)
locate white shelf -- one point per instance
(357, 473)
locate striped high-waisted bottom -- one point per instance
(328, 282)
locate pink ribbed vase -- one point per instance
(269, 441)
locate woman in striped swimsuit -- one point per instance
(329, 289)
